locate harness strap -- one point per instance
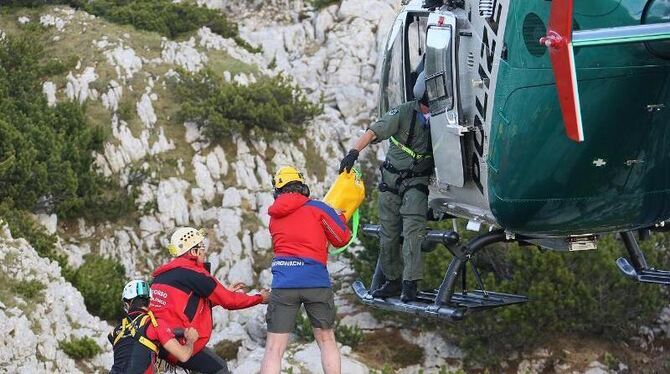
(412, 125)
(132, 328)
(148, 343)
(406, 147)
(402, 175)
(405, 173)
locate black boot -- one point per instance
(408, 291)
(388, 289)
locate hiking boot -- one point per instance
(408, 291)
(388, 289)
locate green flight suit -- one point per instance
(403, 210)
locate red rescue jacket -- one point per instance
(301, 227)
(183, 294)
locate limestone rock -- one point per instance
(310, 358)
(242, 271)
(110, 99)
(49, 222)
(192, 132)
(262, 239)
(596, 367)
(231, 198)
(265, 278)
(49, 90)
(50, 20)
(125, 62)
(363, 321)
(183, 54)
(172, 203)
(32, 330)
(162, 144)
(145, 110)
(77, 88)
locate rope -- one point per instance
(355, 219)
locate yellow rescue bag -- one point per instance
(347, 193)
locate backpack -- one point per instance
(136, 329)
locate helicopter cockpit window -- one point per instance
(393, 78)
(439, 81)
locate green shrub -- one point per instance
(80, 349)
(580, 294)
(348, 335)
(165, 17)
(303, 327)
(227, 349)
(271, 106)
(101, 282)
(47, 152)
(30, 290)
(320, 4)
(33, 3)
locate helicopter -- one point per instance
(548, 124)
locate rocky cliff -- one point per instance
(123, 76)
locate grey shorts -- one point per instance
(285, 304)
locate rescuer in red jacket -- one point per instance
(301, 230)
(183, 293)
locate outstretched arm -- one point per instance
(368, 137)
(232, 300)
(206, 286)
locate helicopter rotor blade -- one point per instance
(559, 42)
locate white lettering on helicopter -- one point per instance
(487, 52)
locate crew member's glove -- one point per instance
(348, 161)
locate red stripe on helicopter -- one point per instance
(559, 42)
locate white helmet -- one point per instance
(136, 288)
(185, 238)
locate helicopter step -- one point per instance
(637, 268)
(426, 305)
(444, 302)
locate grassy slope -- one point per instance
(77, 41)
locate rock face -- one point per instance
(32, 329)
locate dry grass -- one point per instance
(383, 348)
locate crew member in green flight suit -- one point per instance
(403, 202)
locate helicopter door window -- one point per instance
(438, 70)
(416, 47)
(437, 88)
(392, 83)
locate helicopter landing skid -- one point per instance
(425, 306)
(637, 268)
(445, 303)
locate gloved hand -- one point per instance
(348, 161)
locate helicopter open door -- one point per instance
(440, 69)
